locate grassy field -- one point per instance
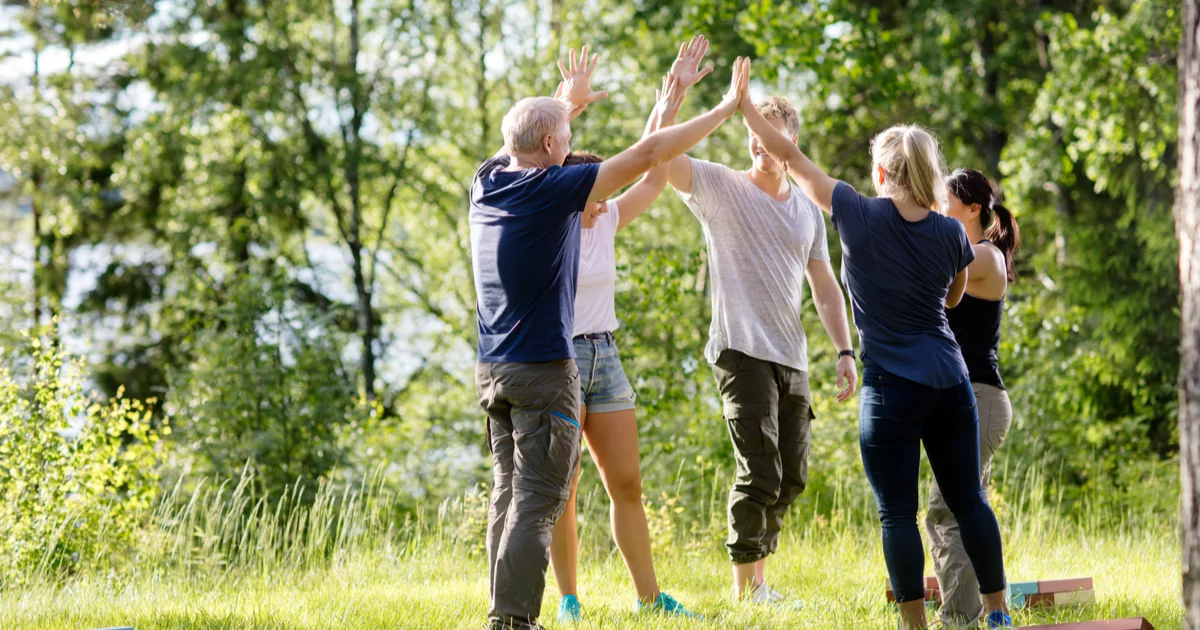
(433, 583)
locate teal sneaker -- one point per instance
(667, 605)
(569, 609)
(999, 619)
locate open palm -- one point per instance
(576, 83)
(687, 65)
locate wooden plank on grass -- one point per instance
(1135, 623)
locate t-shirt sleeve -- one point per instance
(613, 216)
(820, 245)
(966, 252)
(849, 209)
(571, 185)
(485, 169)
(706, 178)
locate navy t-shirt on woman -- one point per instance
(525, 228)
(898, 273)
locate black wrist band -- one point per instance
(846, 353)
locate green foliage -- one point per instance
(280, 186)
(262, 391)
(80, 476)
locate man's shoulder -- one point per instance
(713, 170)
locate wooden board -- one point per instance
(1136, 623)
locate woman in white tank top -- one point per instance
(608, 419)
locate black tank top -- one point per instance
(976, 326)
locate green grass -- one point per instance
(219, 558)
(441, 585)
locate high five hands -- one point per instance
(738, 95)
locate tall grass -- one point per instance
(221, 555)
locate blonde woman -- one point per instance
(903, 262)
(608, 418)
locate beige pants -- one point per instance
(962, 604)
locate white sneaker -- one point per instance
(765, 595)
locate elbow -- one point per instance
(952, 301)
(653, 155)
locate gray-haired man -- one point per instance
(525, 231)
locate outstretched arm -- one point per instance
(831, 306)
(665, 144)
(685, 72)
(637, 199)
(812, 180)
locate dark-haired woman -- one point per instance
(976, 326)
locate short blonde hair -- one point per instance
(781, 108)
(530, 121)
(913, 165)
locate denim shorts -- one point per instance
(605, 388)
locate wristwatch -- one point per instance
(846, 353)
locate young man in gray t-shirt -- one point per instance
(764, 236)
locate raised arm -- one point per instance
(685, 72)
(812, 180)
(665, 144)
(637, 199)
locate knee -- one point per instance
(900, 514)
(762, 491)
(626, 488)
(789, 493)
(967, 502)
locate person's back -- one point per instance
(898, 273)
(525, 244)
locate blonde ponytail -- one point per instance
(912, 164)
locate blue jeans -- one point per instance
(895, 416)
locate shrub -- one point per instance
(77, 476)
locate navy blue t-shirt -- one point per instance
(525, 228)
(898, 273)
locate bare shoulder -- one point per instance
(988, 251)
(988, 256)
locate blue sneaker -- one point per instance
(999, 619)
(569, 609)
(667, 605)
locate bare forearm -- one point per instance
(652, 123)
(774, 142)
(831, 307)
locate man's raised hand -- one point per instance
(739, 87)
(687, 65)
(576, 86)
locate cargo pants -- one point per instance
(534, 436)
(768, 410)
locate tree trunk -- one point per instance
(1188, 220)
(363, 291)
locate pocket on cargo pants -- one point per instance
(562, 457)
